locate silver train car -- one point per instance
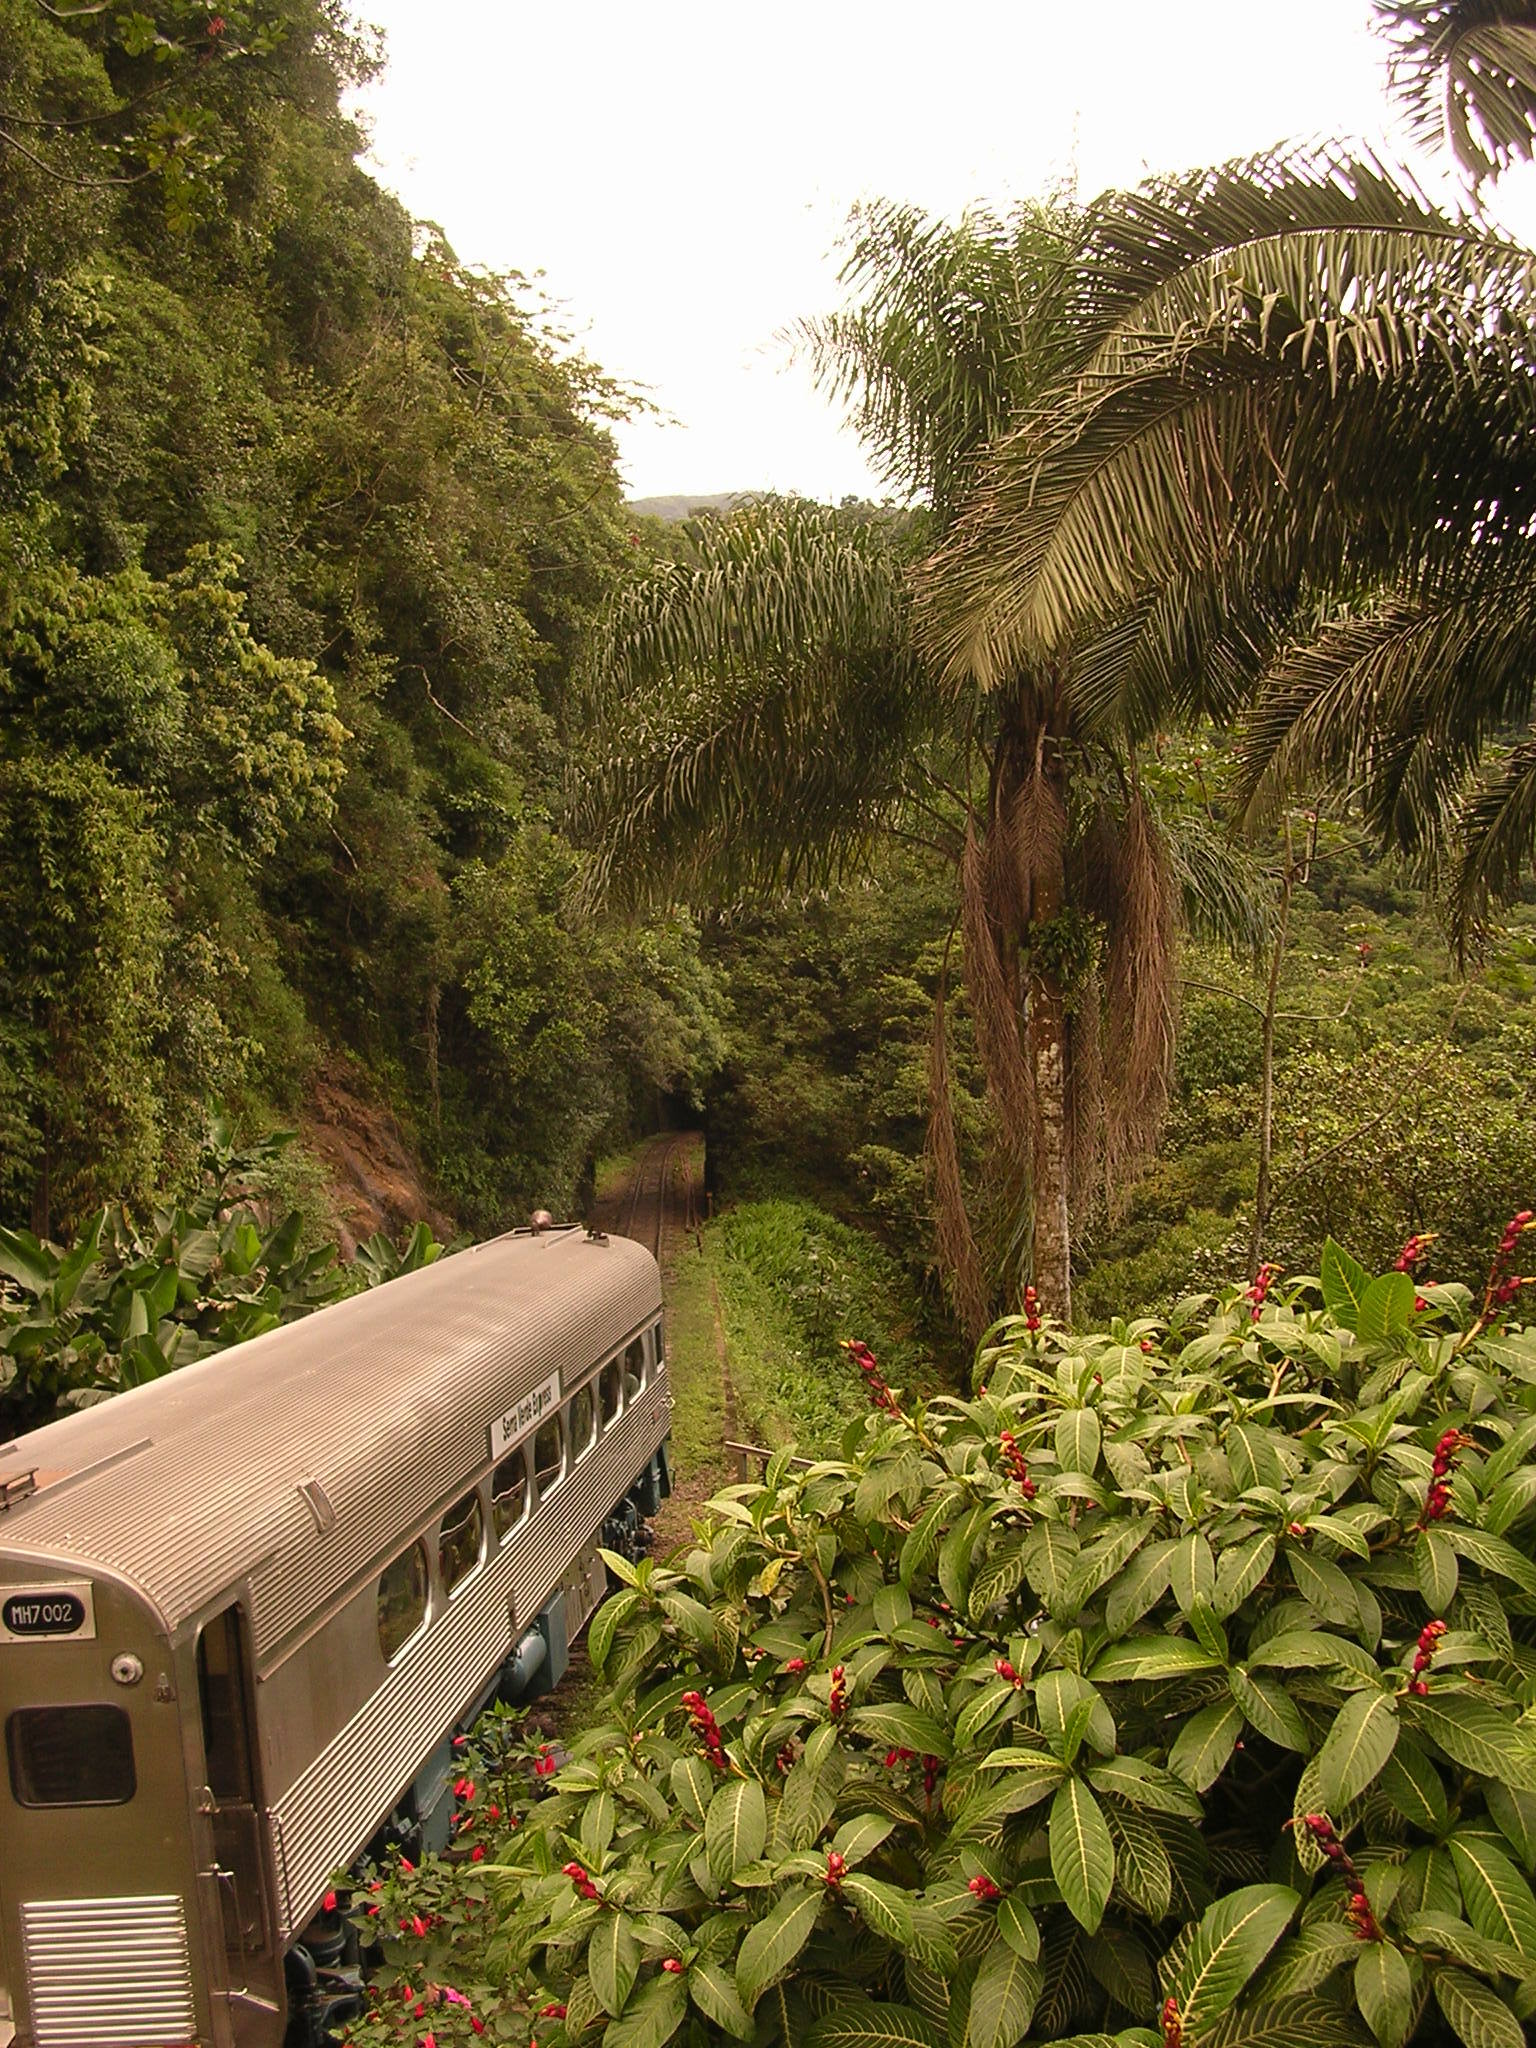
(244, 1609)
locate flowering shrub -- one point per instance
(1178, 1687)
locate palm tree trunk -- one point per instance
(1047, 1043)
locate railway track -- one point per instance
(653, 1197)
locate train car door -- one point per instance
(235, 1867)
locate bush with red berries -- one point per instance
(1178, 1688)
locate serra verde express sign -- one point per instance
(30, 1612)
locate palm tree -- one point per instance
(765, 712)
(1466, 70)
(1306, 397)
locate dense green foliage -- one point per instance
(130, 1301)
(1188, 1661)
(301, 524)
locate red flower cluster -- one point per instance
(673, 1967)
(1173, 2025)
(544, 1764)
(893, 1757)
(551, 2012)
(216, 27)
(982, 1887)
(795, 1664)
(1005, 1670)
(837, 1700)
(1503, 1285)
(836, 1866)
(1321, 1829)
(1413, 1251)
(930, 1777)
(879, 1393)
(706, 1727)
(1263, 1280)
(581, 1880)
(1424, 1656)
(1437, 1502)
(784, 1761)
(1031, 1309)
(1018, 1468)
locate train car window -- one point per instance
(610, 1392)
(70, 1756)
(402, 1601)
(583, 1414)
(634, 1368)
(548, 1457)
(509, 1492)
(461, 1540)
(221, 1693)
(658, 1348)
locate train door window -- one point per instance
(610, 1392)
(221, 1693)
(658, 1348)
(583, 1422)
(634, 1368)
(548, 1457)
(402, 1600)
(70, 1756)
(509, 1492)
(461, 1540)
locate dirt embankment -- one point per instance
(374, 1182)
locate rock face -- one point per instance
(375, 1183)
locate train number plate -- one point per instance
(31, 1613)
(526, 1415)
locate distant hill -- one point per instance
(684, 507)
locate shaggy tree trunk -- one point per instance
(1051, 1167)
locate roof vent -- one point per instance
(319, 1505)
(15, 1487)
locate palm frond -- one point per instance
(1250, 399)
(1466, 72)
(754, 718)
(1497, 838)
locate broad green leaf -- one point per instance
(693, 1786)
(1493, 1554)
(603, 1625)
(1230, 1943)
(1499, 1901)
(1139, 1587)
(895, 1725)
(1479, 2016)
(1386, 1309)
(1345, 1282)
(1142, 1869)
(893, 1607)
(955, 1554)
(1049, 1556)
(1102, 1561)
(1363, 1736)
(1147, 1785)
(1514, 1814)
(1003, 1998)
(1311, 1957)
(1078, 1437)
(597, 1824)
(927, 1532)
(1269, 1708)
(769, 1948)
(713, 1990)
(1199, 1756)
(1151, 1657)
(860, 1837)
(1413, 1785)
(1476, 1736)
(736, 1827)
(1082, 1853)
(1240, 1571)
(1435, 1568)
(655, 2016)
(1018, 1927)
(613, 1961)
(883, 1907)
(1264, 2022)
(1323, 1585)
(1384, 1992)
(1192, 1570)
(997, 1578)
(860, 2023)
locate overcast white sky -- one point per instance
(680, 171)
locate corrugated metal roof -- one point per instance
(385, 1399)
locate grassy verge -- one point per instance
(790, 1283)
